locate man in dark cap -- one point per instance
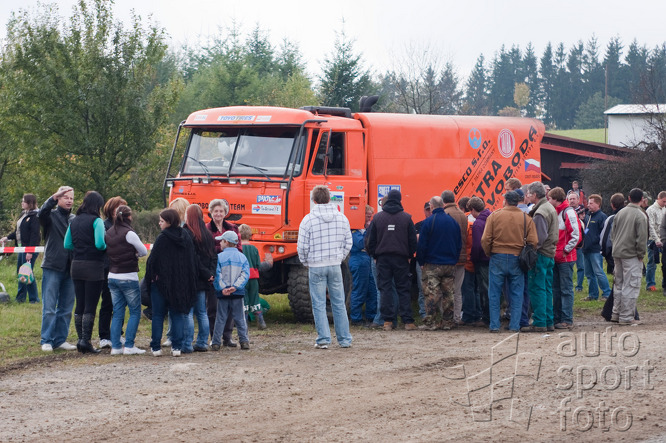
(392, 242)
(502, 241)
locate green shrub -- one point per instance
(146, 224)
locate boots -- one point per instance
(87, 328)
(260, 319)
(78, 324)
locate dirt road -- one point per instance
(398, 386)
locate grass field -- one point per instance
(20, 323)
(593, 135)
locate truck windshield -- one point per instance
(243, 151)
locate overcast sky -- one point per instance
(455, 31)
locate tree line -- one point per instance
(94, 103)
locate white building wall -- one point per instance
(629, 130)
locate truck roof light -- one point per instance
(232, 181)
(243, 181)
(169, 183)
(283, 185)
(205, 181)
(195, 180)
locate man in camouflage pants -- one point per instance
(437, 253)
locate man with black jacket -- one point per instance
(58, 297)
(391, 241)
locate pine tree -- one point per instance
(344, 80)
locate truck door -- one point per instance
(339, 162)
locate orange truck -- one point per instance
(265, 161)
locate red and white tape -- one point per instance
(34, 249)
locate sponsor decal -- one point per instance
(269, 199)
(263, 118)
(506, 143)
(200, 117)
(267, 209)
(474, 138)
(236, 118)
(487, 172)
(532, 165)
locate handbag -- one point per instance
(528, 255)
(25, 274)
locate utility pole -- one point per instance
(606, 104)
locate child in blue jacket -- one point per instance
(231, 276)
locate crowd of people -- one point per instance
(468, 261)
(194, 270)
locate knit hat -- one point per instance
(229, 236)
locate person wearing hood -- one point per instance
(392, 242)
(171, 275)
(26, 234)
(324, 240)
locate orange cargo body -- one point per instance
(265, 161)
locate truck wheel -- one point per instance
(298, 291)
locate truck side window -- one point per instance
(318, 165)
(336, 155)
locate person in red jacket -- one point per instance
(565, 258)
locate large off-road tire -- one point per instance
(298, 291)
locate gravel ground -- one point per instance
(465, 385)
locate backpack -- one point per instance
(580, 227)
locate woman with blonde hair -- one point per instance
(218, 210)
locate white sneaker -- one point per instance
(157, 353)
(115, 351)
(322, 346)
(122, 340)
(67, 347)
(175, 353)
(47, 347)
(134, 351)
(104, 343)
(167, 342)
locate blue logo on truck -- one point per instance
(475, 138)
(269, 199)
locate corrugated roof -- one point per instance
(637, 109)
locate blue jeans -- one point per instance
(57, 304)
(505, 266)
(650, 269)
(364, 290)
(160, 308)
(580, 270)
(198, 310)
(471, 305)
(329, 277)
(596, 277)
(234, 308)
(563, 292)
(31, 289)
(125, 293)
